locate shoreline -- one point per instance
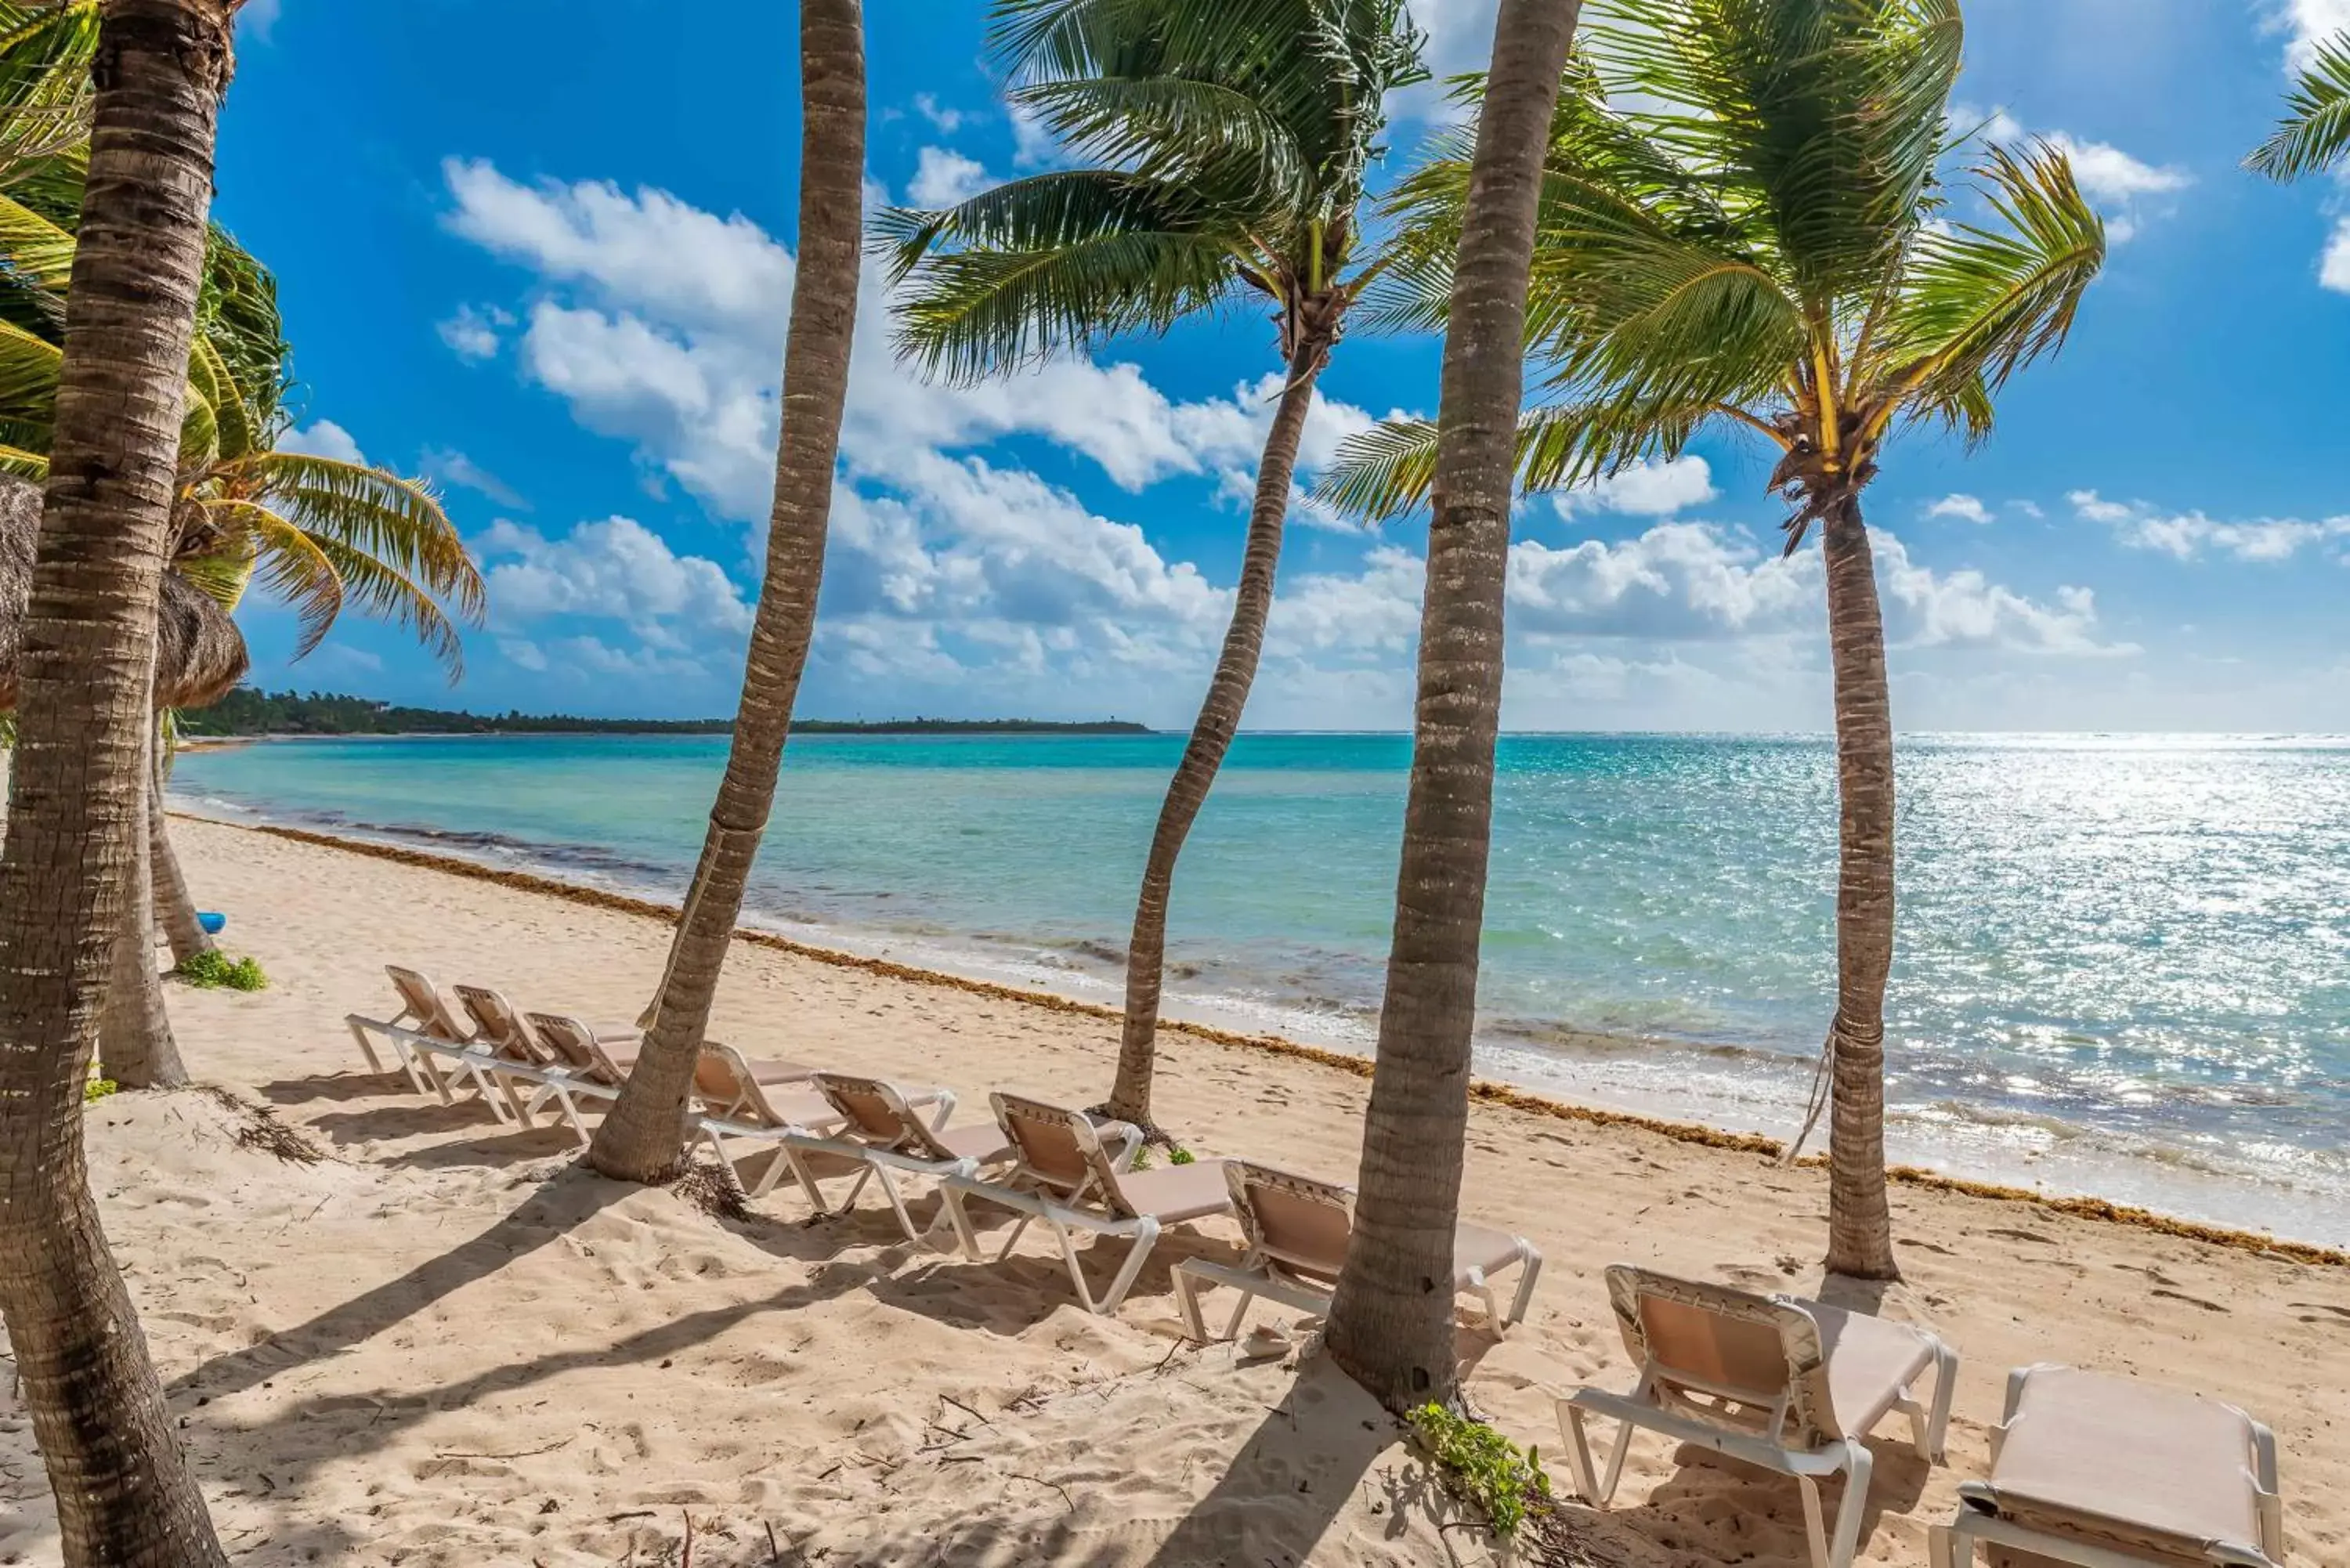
(1481, 1090)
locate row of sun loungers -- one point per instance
(2086, 1470)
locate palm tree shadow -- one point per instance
(562, 1204)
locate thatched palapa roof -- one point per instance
(203, 655)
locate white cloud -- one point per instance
(945, 178)
(649, 249)
(1659, 488)
(947, 120)
(616, 569)
(1033, 146)
(1962, 508)
(456, 468)
(2334, 266)
(1965, 609)
(260, 16)
(472, 334)
(2186, 536)
(2309, 21)
(322, 438)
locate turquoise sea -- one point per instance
(2123, 962)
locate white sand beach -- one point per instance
(446, 1344)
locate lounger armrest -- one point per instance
(1752, 1447)
(1128, 1138)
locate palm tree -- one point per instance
(642, 1140)
(2315, 134)
(320, 533)
(124, 1492)
(1391, 1323)
(1229, 142)
(1742, 227)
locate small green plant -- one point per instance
(213, 970)
(1181, 1156)
(1481, 1467)
(98, 1089)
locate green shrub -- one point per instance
(1181, 1156)
(1481, 1467)
(213, 970)
(98, 1089)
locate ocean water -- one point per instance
(2123, 962)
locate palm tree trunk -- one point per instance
(135, 1046)
(644, 1137)
(125, 1496)
(175, 908)
(1391, 1322)
(1860, 1224)
(1211, 734)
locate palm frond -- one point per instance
(28, 382)
(1053, 264)
(32, 466)
(46, 52)
(1978, 303)
(395, 523)
(257, 544)
(381, 590)
(1174, 129)
(2315, 132)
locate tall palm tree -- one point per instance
(124, 1492)
(1391, 1322)
(642, 1140)
(320, 533)
(1742, 227)
(1228, 143)
(2314, 135)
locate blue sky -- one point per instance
(541, 251)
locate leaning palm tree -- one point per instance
(125, 1494)
(644, 1137)
(2314, 135)
(1743, 228)
(1389, 1327)
(1227, 144)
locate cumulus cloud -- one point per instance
(617, 570)
(1961, 508)
(456, 468)
(948, 121)
(322, 438)
(2187, 535)
(1658, 488)
(2126, 190)
(945, 178)
(474, 334)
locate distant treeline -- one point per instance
(247, 711)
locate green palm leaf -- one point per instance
(397, 523)
(1979, 302)
(2315, 134)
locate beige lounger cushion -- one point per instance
(2126, 1464)
(1871, 1361)
(1177, 1192)
(981, 1141)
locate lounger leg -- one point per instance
(1941, 1552)
(1855, 1506)
(1232, 1329)
(1595, 1491)
(958, 1219)
(1187, 1303)
(359, 1034)
(804, 1177)
(1009, 1241)
(1525, 1296)
(1144, 1240)
(889, 1189)
(1930, 1436)
(1814, 1526)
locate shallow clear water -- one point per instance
(2124, 963)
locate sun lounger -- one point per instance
(423, 1029)
(1790, 1386)
(2109, 1472)
(763, 1102)
(884, 1134)
(1065, 1173)
(1298, 1230)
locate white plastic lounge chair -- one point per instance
(1790, 1386)
(425, 1028)
(2109, 1472)
(884, 1134)
(1298, 1229)
(762, 1102)
(1066, 1174)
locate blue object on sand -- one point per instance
(212, 924)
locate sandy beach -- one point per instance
(446, 1344)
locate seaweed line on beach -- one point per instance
(1480, 1089)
